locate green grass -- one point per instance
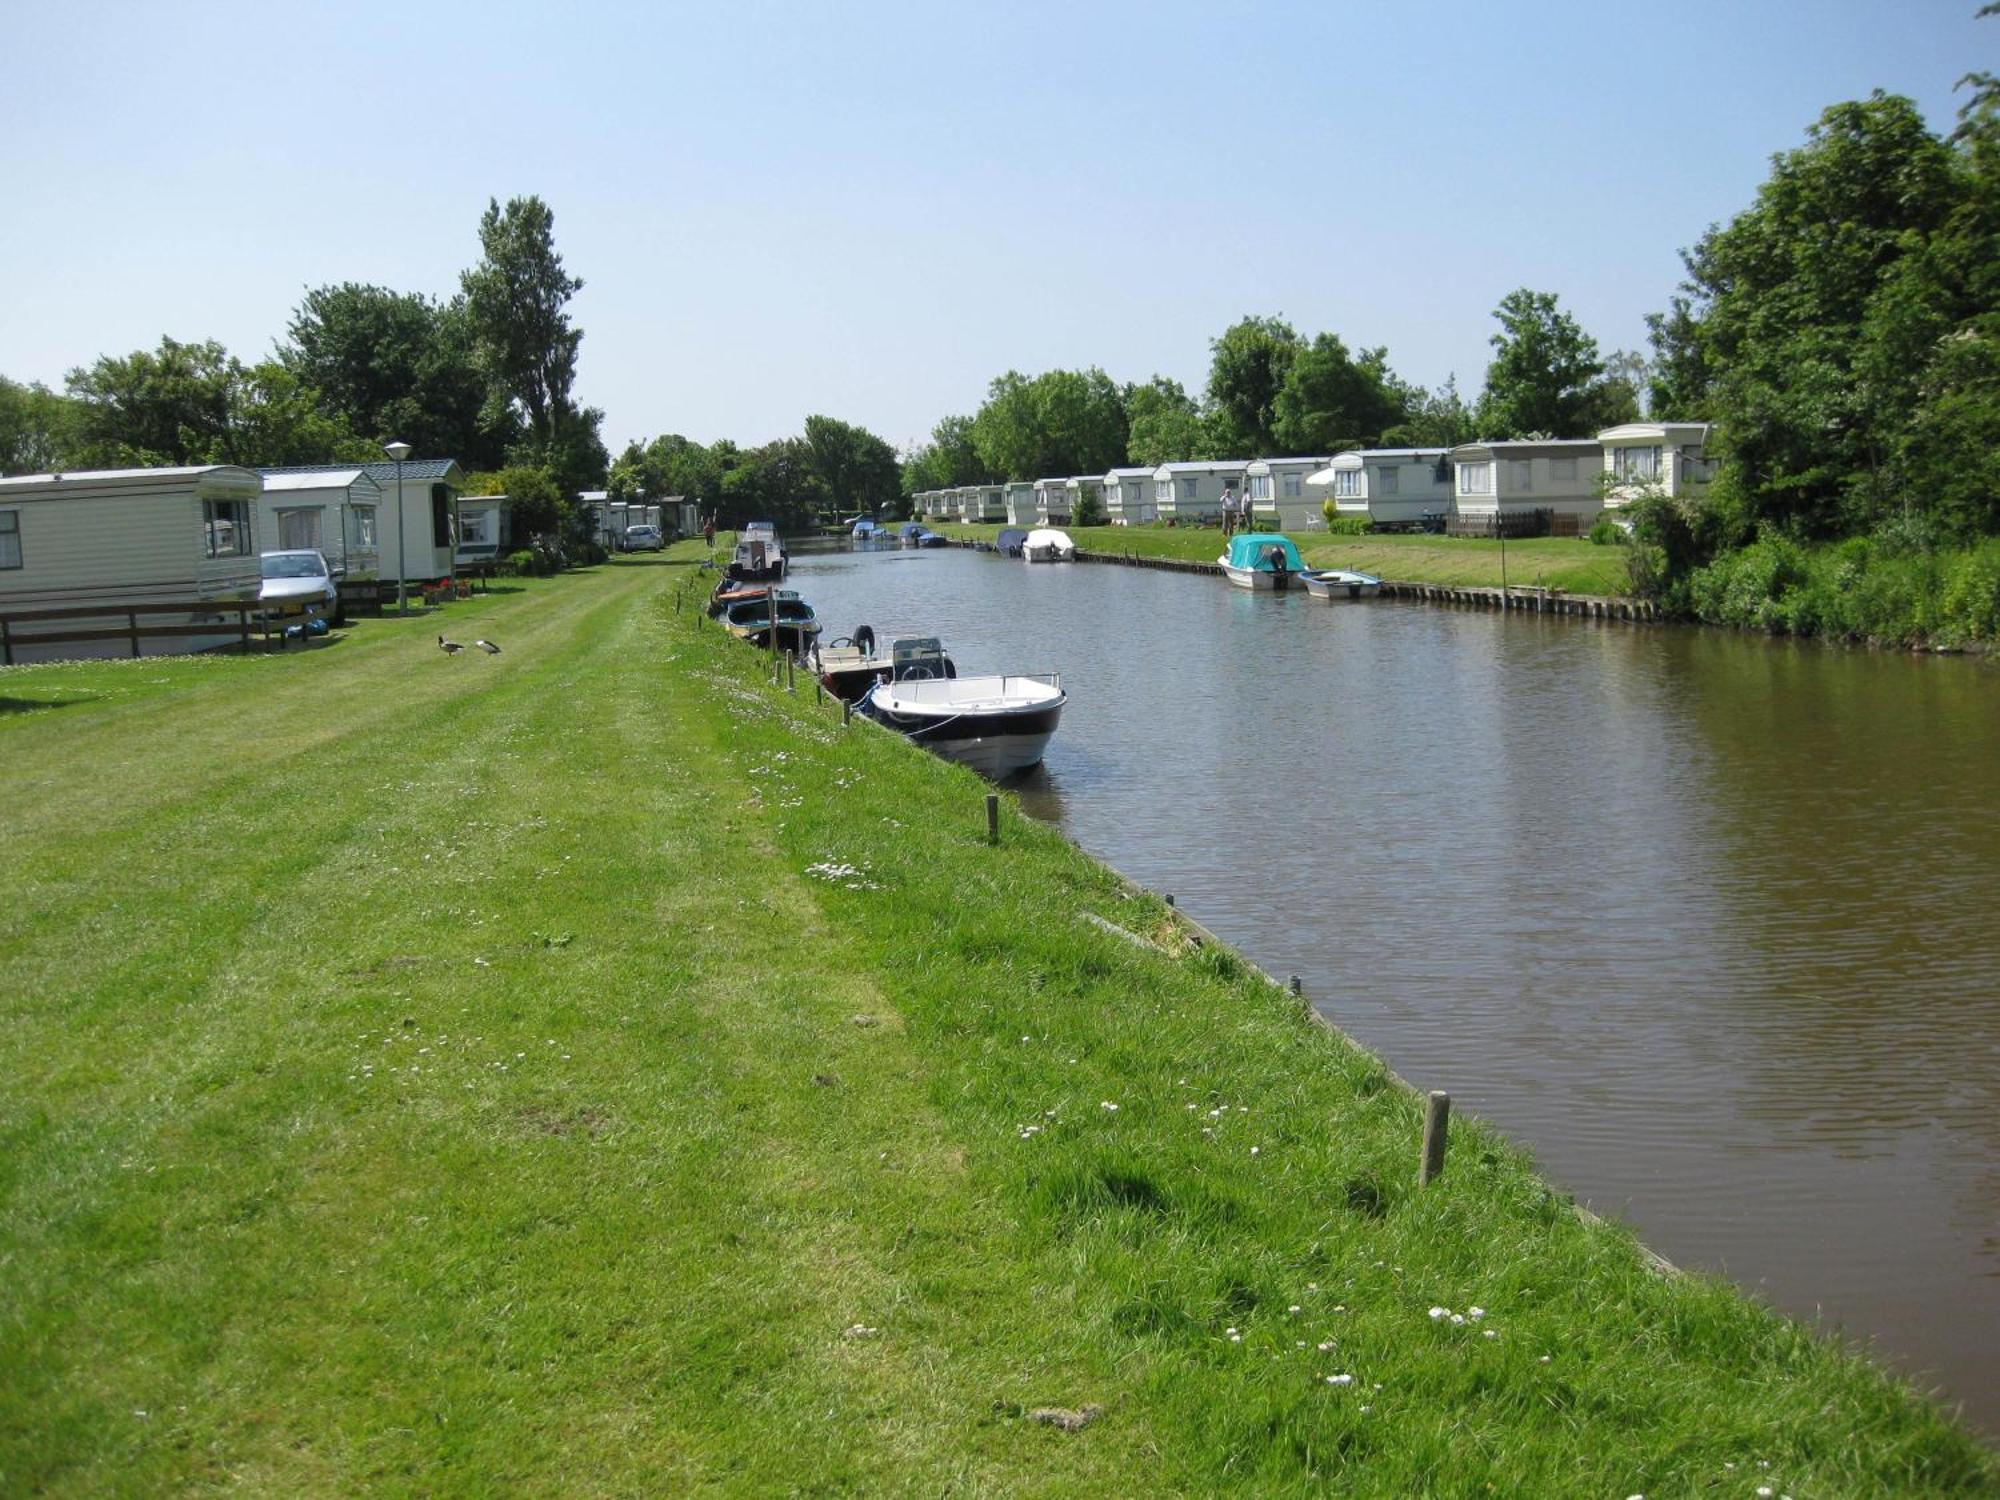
(525, 1074)
(1576, 567)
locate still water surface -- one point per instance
(1707, 922)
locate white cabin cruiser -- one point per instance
(1044, 544)
(760, 556)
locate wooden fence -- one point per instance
(236, 617)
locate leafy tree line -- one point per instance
(834, 468)
(1272, 392)
(485, 377)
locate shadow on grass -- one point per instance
(30, 705)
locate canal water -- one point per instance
(1706, 921)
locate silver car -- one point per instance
(643, 539)
(298, 584)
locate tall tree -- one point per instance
(1432, 419)
(518, 298)
(1546, 377)
(398, 365)
(1061, 422)
(1331, 401)
(1164, 425)
(1247, 370)
(857, 469)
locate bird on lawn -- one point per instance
(487, 646)
(449, 648)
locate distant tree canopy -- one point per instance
(1330, 400)
(857, 471)
(947, 461)
(1249, 363)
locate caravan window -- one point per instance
(1636, 463)
(1188, 488)
(225, 528)
(1386, 481)
(298, 530)
(1292, 490)
(1475, 479)
(1520, 474)
(1347, 483)
(10, 539)
(364, 525)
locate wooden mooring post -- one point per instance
(992, 817)
(1437, 1116)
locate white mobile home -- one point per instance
(1277, 488)
(963, 505)
(1128, 497)
(1052, 501)
(1190, 494)
(336, 512)
(1519, 478)
(1394, 489)
(989, 503)
(484, 535)
(426, 498)
(1020, 502)
(1670, 455)
(1086, 497)
(125, 537)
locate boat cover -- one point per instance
(1010, 541)
(1253, 551)
(911, 528)
(1045, 536)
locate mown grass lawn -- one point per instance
(1576, 567)
(589, 1070)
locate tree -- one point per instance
(1432, 419)
(1546, 377)
(1247, 370)
(1062, 422)
(197, 404)
(1164, 425)
(37, 429)
(398, 365)
(1814, 314)
(517, 298)
(537, 506)
(948, 460)
(1330, 401)
(777, 483)
(856, 469)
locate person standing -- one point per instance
(708, 530)
(1228, 511)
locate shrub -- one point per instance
(519, 564)
(1348, 525)
(1608, 533)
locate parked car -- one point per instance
(643, 539)
(299, 583)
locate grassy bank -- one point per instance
(589, 1070)
(1576, 567)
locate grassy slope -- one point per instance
(443, 1075)
(1574, 566)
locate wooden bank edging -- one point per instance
(1533, 600)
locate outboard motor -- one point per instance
(864, 639)
(1281, 570)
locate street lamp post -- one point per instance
(399, 452)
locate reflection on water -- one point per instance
(1704, 920)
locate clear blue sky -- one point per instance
(870, 211)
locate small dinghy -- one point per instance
(1045, 544)
(1337, 585)
(1262, 560)
(996, 725)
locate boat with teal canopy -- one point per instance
(1262, 560)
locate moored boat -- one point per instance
(1336, 585)
(1262, 560)
(752, 619)
(851, 665)
(760, 556)
(997, 725)
(1010, 541)
(1045, 544)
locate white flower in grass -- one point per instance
(1255, 1149)
(1107, 1106)
(1327, 1347)
(1475, 1313)
(1491, 1334)
(1764, 1492)
(1294, 1309)
(1340, 1380)
(1440, 1312)
(1457, 1319)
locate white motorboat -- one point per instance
(1044, 544)
(760, 556)
(997, 725)
(1261, 560)
(1336, 585)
